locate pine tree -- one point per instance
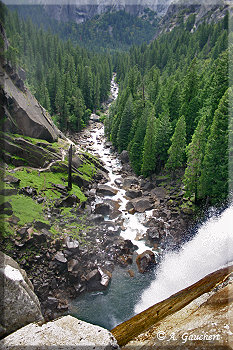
(136, 146)
(195, 155)
(190, 99)
(162, 140)
(214, 173)
(125, 125)
(149, 157)
(177, 149)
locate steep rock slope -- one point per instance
(80, 11)
(198, 11)
(20, 111)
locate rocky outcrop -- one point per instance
(64, 333)
(19, 152)
(19, 304)
(24, 115)
(204, 11)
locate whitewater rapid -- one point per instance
(208, 251)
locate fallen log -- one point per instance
(141, 322)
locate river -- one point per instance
(210, 249)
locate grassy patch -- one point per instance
(88, 170)
(5, 228)
(26, 209)
(43, 181)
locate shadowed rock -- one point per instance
(19, 305)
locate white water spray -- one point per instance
(209, 250)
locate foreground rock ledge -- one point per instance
(64, 333)
(19, 305)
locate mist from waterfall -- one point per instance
(209, 250)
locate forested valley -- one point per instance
(173, 101)
(116, 175)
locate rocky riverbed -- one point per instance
(122, 220)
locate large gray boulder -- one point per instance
(19, 304)
(25, 115)
(106, 190)
(64, 333)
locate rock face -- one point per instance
(80, 11)
(64, 333)
(25, 115)
(19, 304)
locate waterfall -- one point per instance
(209, 250)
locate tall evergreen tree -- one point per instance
(125, 125)
(149, 156)
(136, 147)
(195, 155)
(214, 173)
(190, 99)
(177, 149)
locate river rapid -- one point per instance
(115, 305)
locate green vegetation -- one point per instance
(173, 92)
(26, 209)
(172, 110)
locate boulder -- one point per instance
(69, 201)
(146, 185)
(11, 180)
(8, 192)
(106, 190)
(98, 279)
(105, 277)
(6, 208)
(93, 279)
(94, 117)
(28, 191)
(64, 333)
(60, 257)
(142, 204)
(131, 193)
(108, 144)
(119, 182)
(19, 305)
(153, 234)
(129, 206)
(102, 208)
(72, 244)
(129, 181)
(124, 157)
(145, 261)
